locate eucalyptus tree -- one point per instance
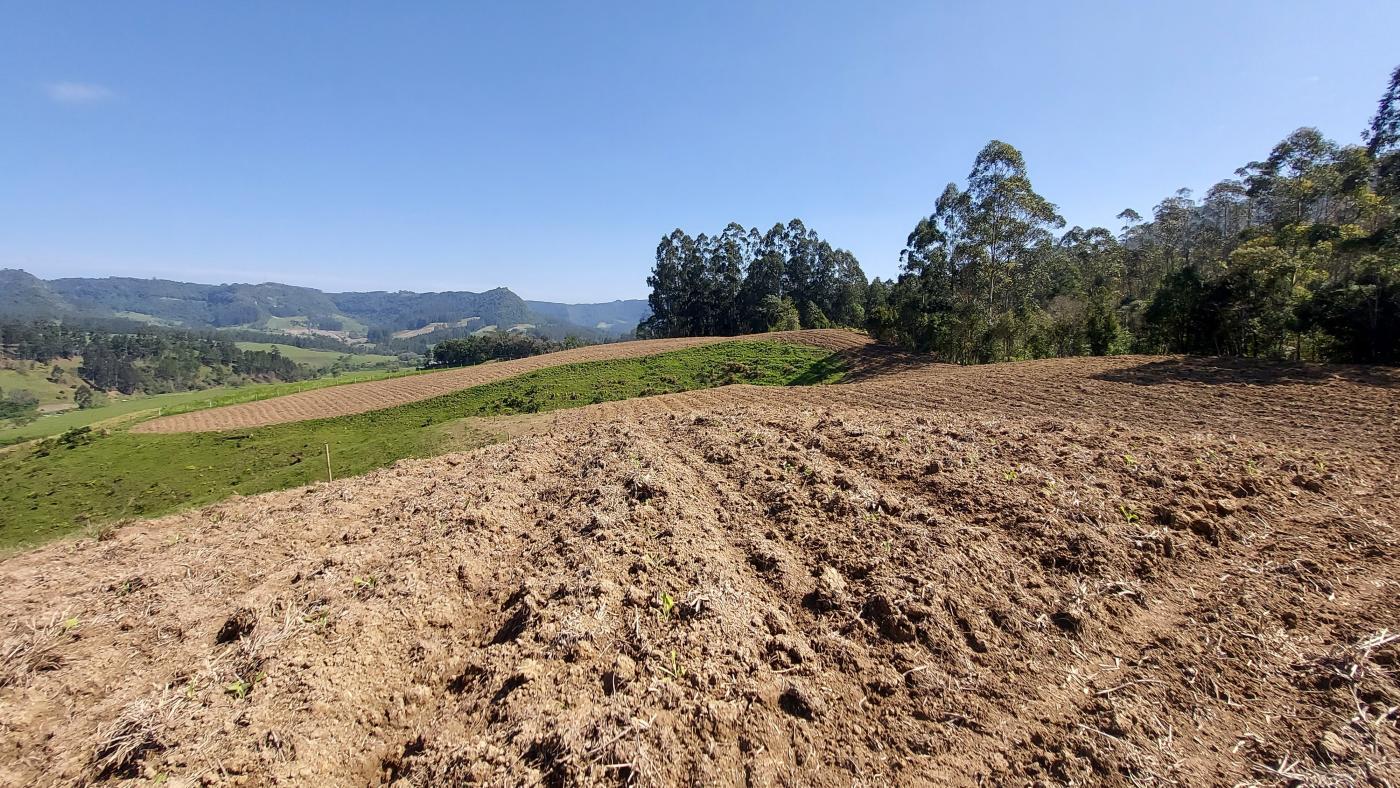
(727, 258)
(1001, 223)
(1383, 138)
(973, 266)
(667, 298)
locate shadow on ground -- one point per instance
(878, 360)
(1254, 372)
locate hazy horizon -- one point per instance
(322, 289)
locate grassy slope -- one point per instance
(126, 475)
(36, 380)
(316, 359)
(133, 408)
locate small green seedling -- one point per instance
(667, 603)
(240, 687)
(675, 671)
(1129, 515)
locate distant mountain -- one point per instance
(406, 310)
(24, 295)
(614, 317)
(277, 307)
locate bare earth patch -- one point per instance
(1105, 571)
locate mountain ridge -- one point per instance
(293, 309)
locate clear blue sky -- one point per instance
(547, 147)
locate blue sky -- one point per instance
(547, 147)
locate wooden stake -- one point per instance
(329, 476)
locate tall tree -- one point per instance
(667, 299)
(978, 260)
(1383, 138)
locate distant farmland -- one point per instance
(318, 359)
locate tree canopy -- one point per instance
(743, 280)
(1297, 255)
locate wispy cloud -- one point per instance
(78, 92)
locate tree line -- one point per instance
(1296, 256)
(494, 345)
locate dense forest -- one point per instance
(1297, 256)
(150, 362)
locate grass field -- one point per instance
(126, 410)
(36, 382)
(318, 359)
(348, 324)
(60, 486)
(144, 318)
(34, 378)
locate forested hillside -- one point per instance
(303, 311)
(1297, 255)
(404, 310)
(192, 304)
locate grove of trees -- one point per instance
(743, 280)
(1297, 255)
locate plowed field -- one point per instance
(1089, 571)
(379, 394)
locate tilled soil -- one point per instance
(1352, 409)
(355, 398)
(1087, 571)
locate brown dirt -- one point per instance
(1105, 571)
(355, 398)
